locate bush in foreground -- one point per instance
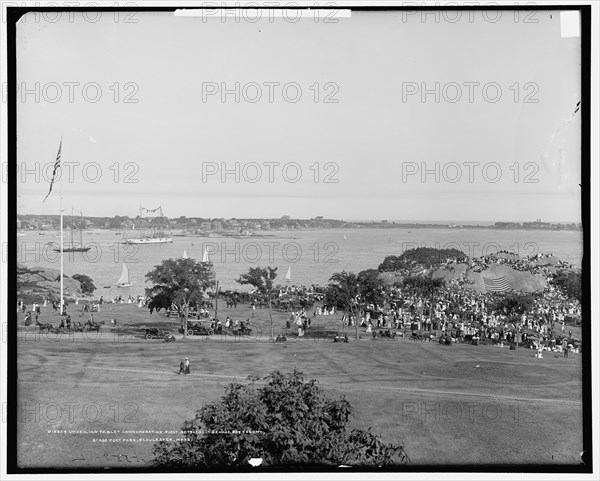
(287, 421)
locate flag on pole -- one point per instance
(56, 167)
(499, 284)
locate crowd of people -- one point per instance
(537, 264)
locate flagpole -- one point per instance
(62, 308)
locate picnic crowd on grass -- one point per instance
(450, 313)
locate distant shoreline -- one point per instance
(177, 232)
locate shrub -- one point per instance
(87, 285)
(287, 421)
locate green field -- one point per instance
(458, 404)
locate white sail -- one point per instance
(124, 279)
(184, 256)
(205, 256)
(288, 276)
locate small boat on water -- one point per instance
(205, 256)
(288, 276)
(124, 279)
(184, 256)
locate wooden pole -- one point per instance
(217, 303)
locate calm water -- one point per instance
(312, 255)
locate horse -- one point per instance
(77, 327)
(44, 327)
(93, 326)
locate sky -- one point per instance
(346, 133)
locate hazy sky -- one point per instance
(376, 131)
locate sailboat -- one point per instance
(288, 276)
(73, 247)
(124, 279)
(184, 256)
(205, 256)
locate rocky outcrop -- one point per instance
(44, 281)
(518, 280)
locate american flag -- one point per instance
(56, 167)
(499, 284)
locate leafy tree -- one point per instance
(351, 292)
(421, 256)
(287, 421)
(570, 283)
(371, 286)
(425, 286)
(180, 282)
(261, 278)
(87, 285)
(514, 303)
(343, 292)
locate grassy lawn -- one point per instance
(448, 404)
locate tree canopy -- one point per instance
(342, 290)
(260, 278)
(514, 303)
(87, 284)
(569, 283)
(420, 256)
(287, 421)
(182, 282)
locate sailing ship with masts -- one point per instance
(157, 233)
(73, 247)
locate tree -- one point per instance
(421, 256)
(569, 283)
(180, 282)
(371, 286)
(343, 293)
(261, 278)
(287, 421)
(425, 286)
(514, 303)
(87, 285)
(351, 292)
